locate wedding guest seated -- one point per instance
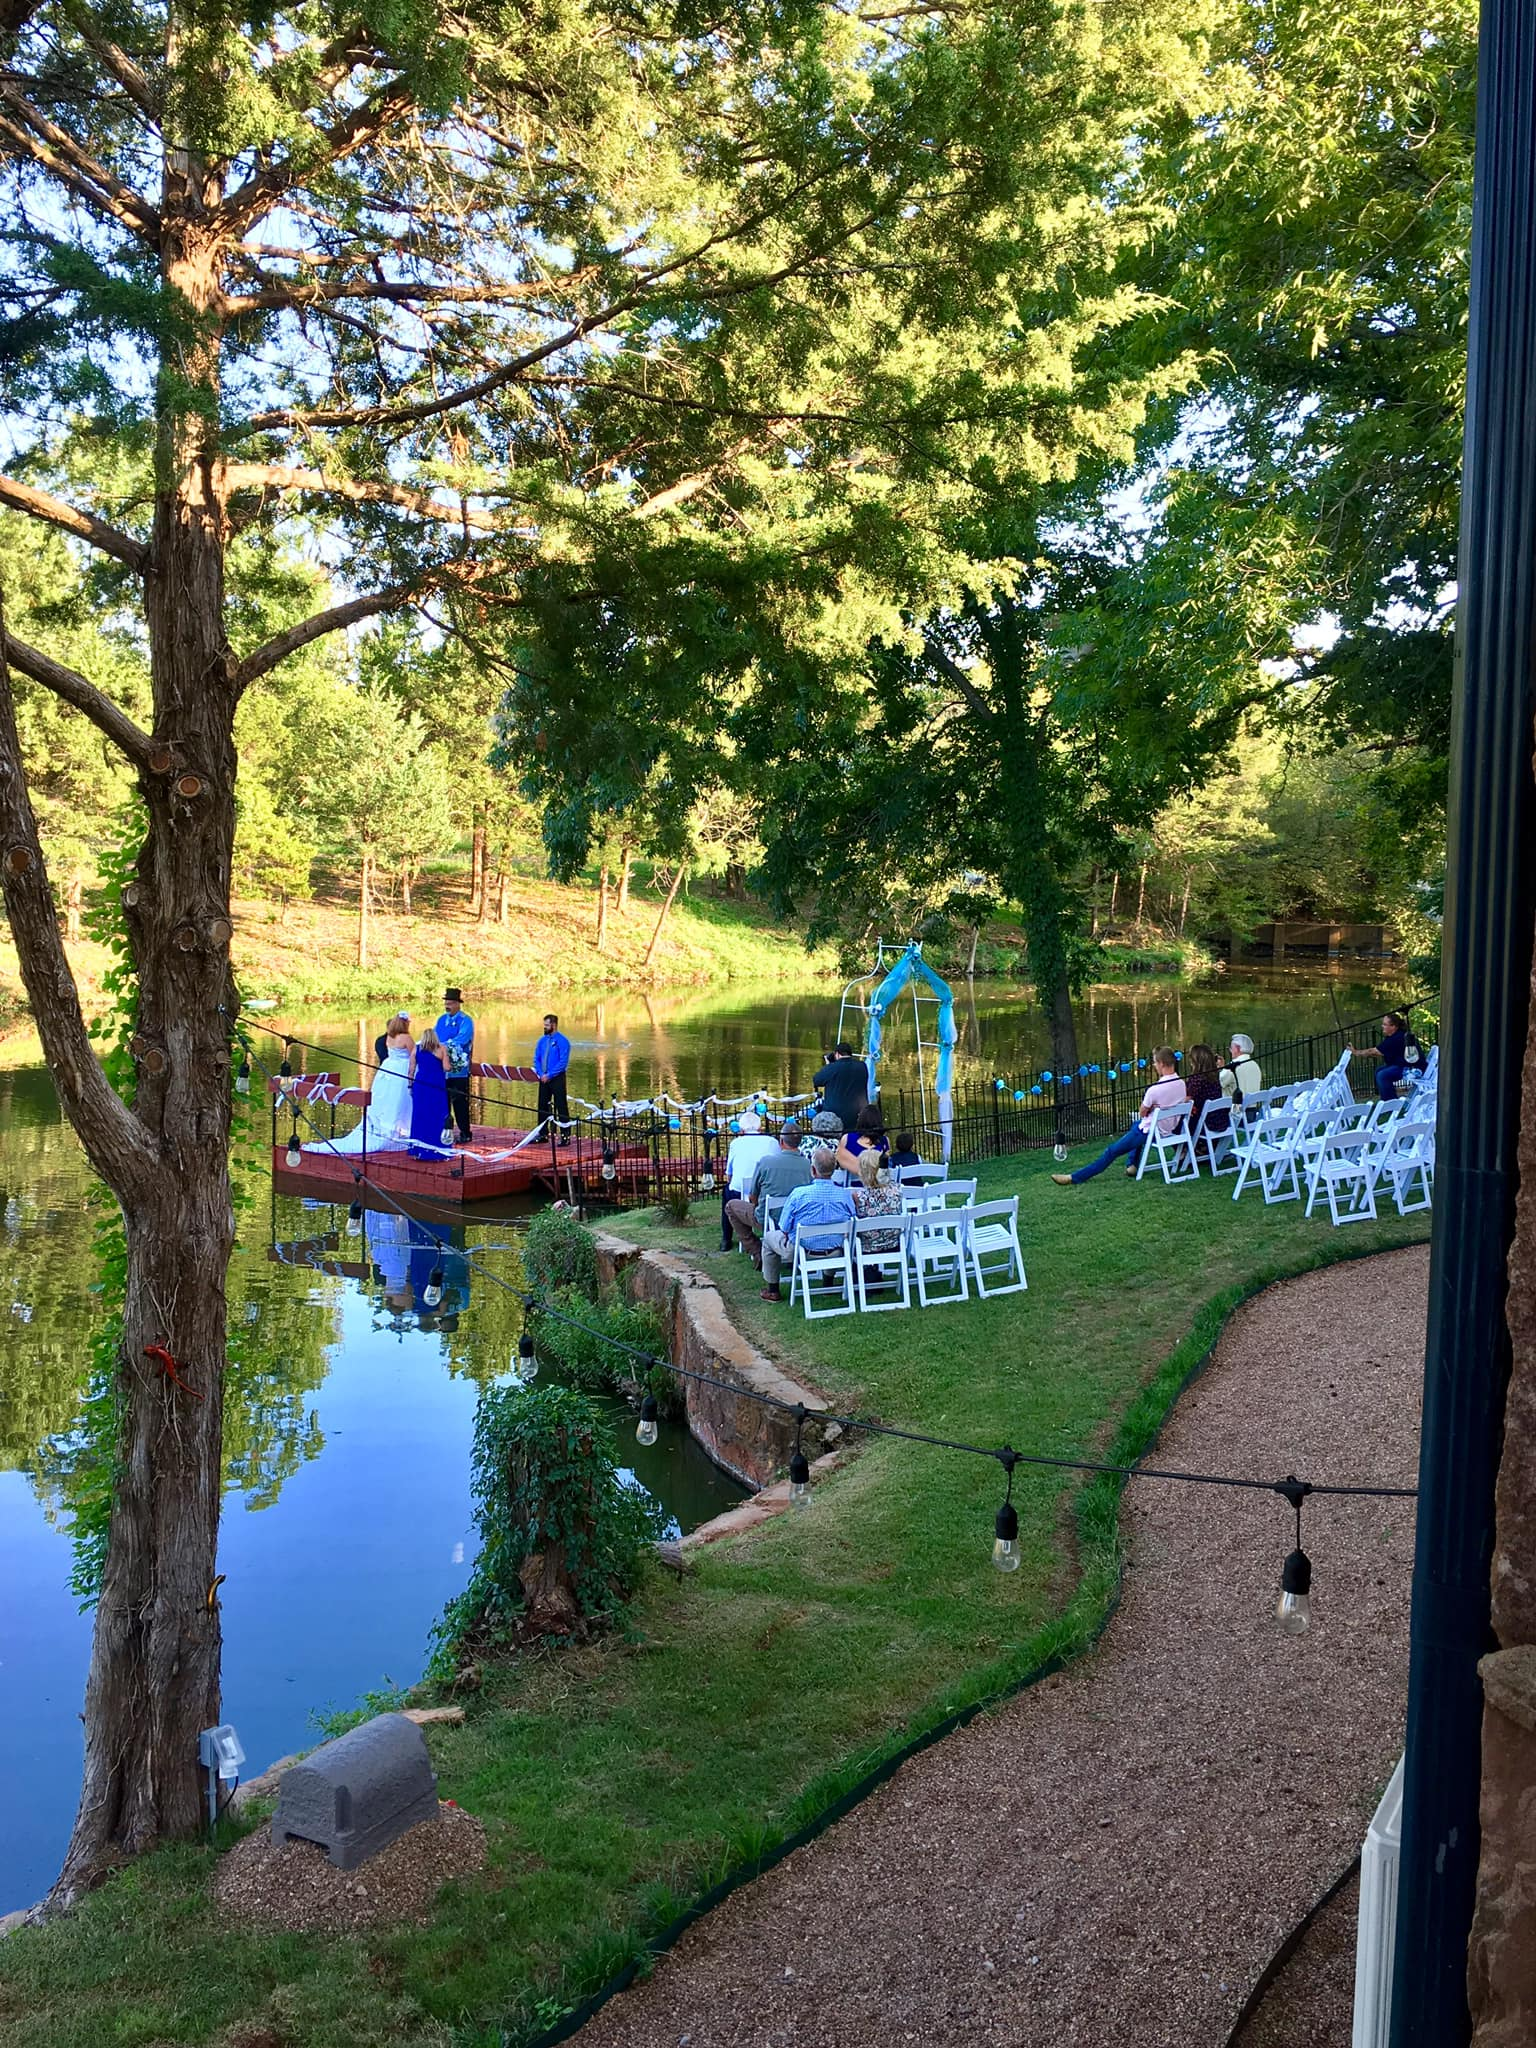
(773, 1177)
(904, 1151)
(1165, 1093)
(1399, 1052)
(741, 1161)
(1203, 1085)
(1243, 1076)
(817, 1202)
(876, 1193)
(867, 1135)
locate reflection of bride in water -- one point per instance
(385, 1125)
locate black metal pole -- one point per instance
(1487, 982)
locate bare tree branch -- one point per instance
(111, 58)
(953, 673)
(688, 487)
(283, 294)
(43, 505)
(54, 150)
(273, 476)
(108, 717)
(119, 1148)
(266, 657)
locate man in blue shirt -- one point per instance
(456, 1030)
(551, 1057)
(817, 1202)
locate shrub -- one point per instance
(558, 1252)
(545, 1478)
(581, 1355)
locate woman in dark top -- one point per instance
(867, 1135)
(1200, 1072)
(1399, 1052)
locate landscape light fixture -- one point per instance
(646, 1432)
(220, 1754)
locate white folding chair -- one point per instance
(1174, 1147)
(1220, 1143)
(937, 1194)
(936, 1248)
(1271, 1153)
(879, 1270)
(825, 1275)
(920, 1176)
(1346, 1172)
(1409, 1158)
(992, 1241)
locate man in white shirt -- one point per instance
(1243, 1076)
(1165, 1093)
(741, 1162)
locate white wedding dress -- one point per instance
(386, 1124)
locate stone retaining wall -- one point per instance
(750, 1441)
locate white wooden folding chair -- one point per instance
(824, 1275)
(1408, 1162)
(937, 1194)
(936, 1249)
(1270, 1154)
(992, 1243)
(1173, 1148)
(882, 1269)
(920, 1176)
(1345, 1171)
(1218, 1140)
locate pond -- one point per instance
(347, 1517)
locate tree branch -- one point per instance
(273, 476)
(43, 505)
(113, 59)
(953, 673)
(74, 689)
(259, 194)
(285, 293)
(54, 150)
(688, 487)
(266, 657)
(117, 1146)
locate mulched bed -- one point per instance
(1112, 1857)
(294, 1886)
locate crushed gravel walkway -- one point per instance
(1112, 1857)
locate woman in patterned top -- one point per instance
(873, 1196)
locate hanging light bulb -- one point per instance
(707, 1177)
(243, 1078)
(1005, 1547)
(1060, 1147)
(355, 1220)
(610, 1168)
(646, 1432)
(1293, 1610)
(799, 1480)
(432, 1293)
(527, 1366)
(294, 1156)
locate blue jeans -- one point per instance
(1387, 1079)
(1127, 1146)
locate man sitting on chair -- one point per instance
(775, 1176)
(1166, 1092)
(817, 1202)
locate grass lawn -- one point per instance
(618, 1781)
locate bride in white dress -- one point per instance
(386, 1124)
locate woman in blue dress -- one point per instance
(429, 1097)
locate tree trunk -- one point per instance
(477, 863)
(626, 858)
(1141, 895)
(405, 886)
(970, 965)
(73, 896)
(503, 907)
(671, 893)
(602, 908)
(1114, 893)
(1184, 906)
(1093, 897)
(483, 909)
(364, 883)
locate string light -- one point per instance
(1060, 1147)
(355, 1220)
(647, 1431)
(1293, 1610)
(294, 1156)
(610, 1169)
(1005, 1545)
(243, 1078)
(432, 1293)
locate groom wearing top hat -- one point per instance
(456, 1031)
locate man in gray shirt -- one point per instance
(772, 1179)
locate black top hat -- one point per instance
(453, 995)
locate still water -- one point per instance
(347, 1515)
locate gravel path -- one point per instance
(1112, 1857)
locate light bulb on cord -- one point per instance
(799, 1480)
(1293, 1610)
(1061, 1147)
(1005, 1547)
(527, 1367)
(610, 1170)
(432, 1293)
(243, 1078)
(355, 1220)
(646, 1432)
(294, 1156)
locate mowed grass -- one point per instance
(618, 1781)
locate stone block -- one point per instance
(355, 1795)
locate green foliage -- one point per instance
(558, 1253)
(582, 1357)
(546, 1478)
